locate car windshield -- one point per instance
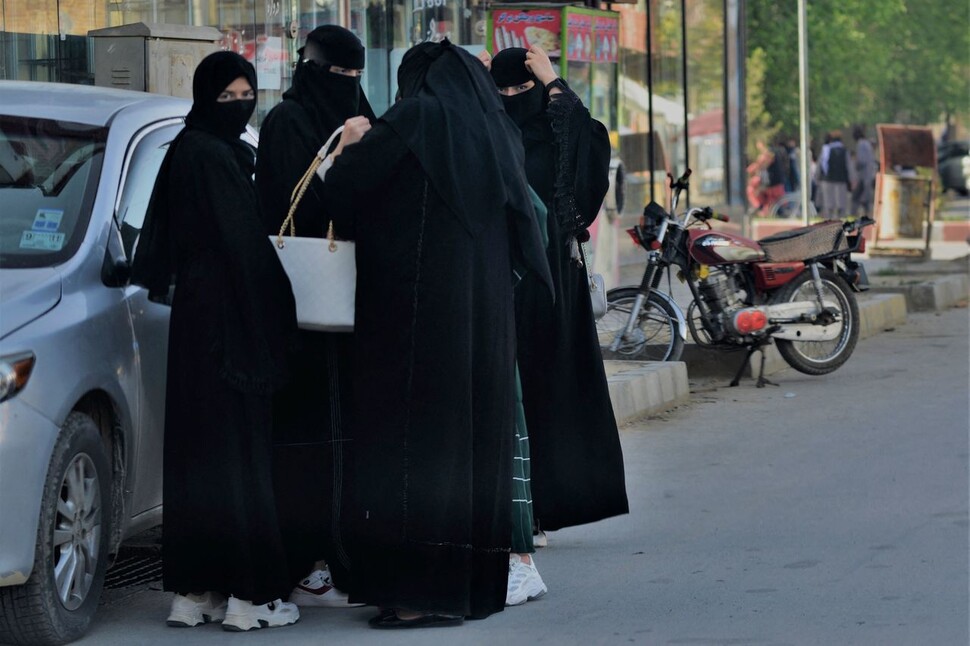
(48, 177)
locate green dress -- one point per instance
(521, 472)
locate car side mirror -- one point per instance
(115, 271)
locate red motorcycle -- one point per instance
(794, 289)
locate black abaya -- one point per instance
(435, 341)
(577, 463)
(313, 440)
(231, 330)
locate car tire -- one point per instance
(58, 601)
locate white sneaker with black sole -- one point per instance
(317, 591)
(194, 609)
(525, 584)
(242, 616)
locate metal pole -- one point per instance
(806, 181)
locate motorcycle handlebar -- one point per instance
(707, 213)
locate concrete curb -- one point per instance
(934, 295)
(640, 388)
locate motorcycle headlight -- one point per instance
(14, 372)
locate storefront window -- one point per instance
(46, 40)
(667, 76)
(705, 99)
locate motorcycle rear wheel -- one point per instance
(821, 357)
(657, 332)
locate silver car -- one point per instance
(82, 352)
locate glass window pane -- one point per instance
(705, 94)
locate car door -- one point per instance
(149, 319)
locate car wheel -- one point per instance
(59, 600)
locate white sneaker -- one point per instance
(539, 539)
(243, 615)
(525, 584)
(317, 591)
(194, 609)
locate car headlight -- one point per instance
(14, 372)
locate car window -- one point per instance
(141, 171)
(48, 178)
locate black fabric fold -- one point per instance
(437, 81)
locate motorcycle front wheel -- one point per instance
(656, 336)
(821, 357)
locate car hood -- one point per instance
(26, 294)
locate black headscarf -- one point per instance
(154, 265)
(212, 76)
(450, 117)
(527, 109)
(331, 98)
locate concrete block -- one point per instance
(639, 388)
(930, 295)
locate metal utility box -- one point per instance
(151, 57)
(904, 190)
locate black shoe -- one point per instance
(389, 619)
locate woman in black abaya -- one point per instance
(577, 465)
(313, 433)
(436, 199)
(233, 323)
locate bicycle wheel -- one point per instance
(656, 336)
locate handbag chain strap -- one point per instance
(300, 190)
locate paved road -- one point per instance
(827, 510)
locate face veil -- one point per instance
(212, 76)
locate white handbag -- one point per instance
(322, 271)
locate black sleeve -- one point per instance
(583, 163)
(287, 145)
(357, 176)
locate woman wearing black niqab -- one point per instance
(232, 327)
(436, 200)
(576, 461)
(313, 433)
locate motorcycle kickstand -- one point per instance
(762, 381)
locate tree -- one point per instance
(870, 61)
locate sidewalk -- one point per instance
(899, 285)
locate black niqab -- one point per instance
(331, 98)
(527, 109)
(212, 76)
(328, 97)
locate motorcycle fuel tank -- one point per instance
(717, 248)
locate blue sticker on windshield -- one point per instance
(47, 220)
(42, 240)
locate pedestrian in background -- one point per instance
(232, 329)
(865, 173)
(313, 426)
(834, 177)
(436, 200)
(576, 461)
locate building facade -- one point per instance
(669, 104)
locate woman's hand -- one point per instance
(354, 130)
(486, 59)
(537, 61)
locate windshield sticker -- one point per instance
(47, 220)
(42, 240)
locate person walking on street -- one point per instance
(232, 329)
(833, 166)
(314, 415)
(576, 461)
(865, 167)
(435, 197)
